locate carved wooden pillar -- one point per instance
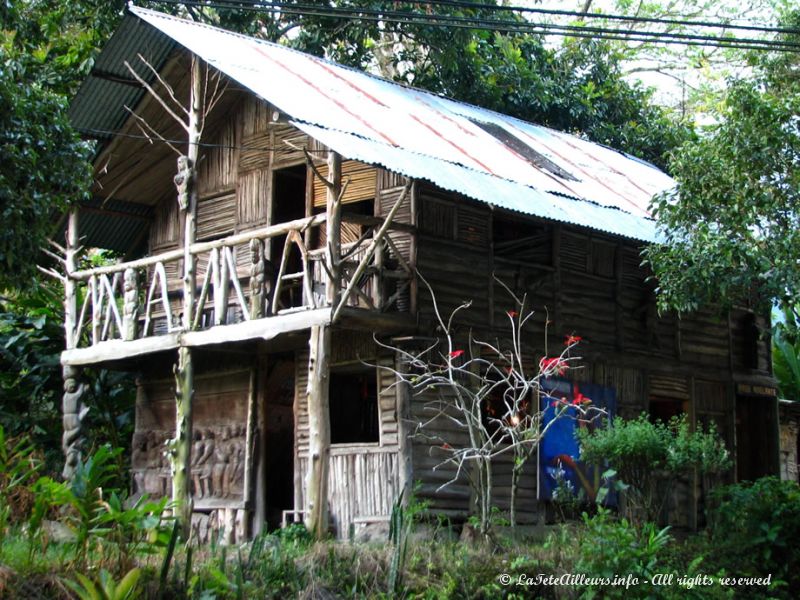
(130, 307)
(319, 430)
(74, 412)
(73, 408)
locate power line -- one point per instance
(452, 21)
(610, 17)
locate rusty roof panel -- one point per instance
(482, 154)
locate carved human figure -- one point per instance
(262, 272)
(130, 307)
(237, 486)
(183, 181)
(207, 462)
(74, 411)
(139, 462)
(221, 460)
(198, 449)
(236, 460)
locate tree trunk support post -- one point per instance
(185, 181)
(320, 431)
(333, 207)
(73, 408)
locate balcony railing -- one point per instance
(257, 274)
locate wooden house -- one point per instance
(318, 194)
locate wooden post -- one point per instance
(186, 181)
(333, 207)
(619, 316)
(73, 408)
(70, 295)
(319, 431)
(404, 432)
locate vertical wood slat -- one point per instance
(361, 484)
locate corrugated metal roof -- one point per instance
(100, 102)
(481, 154)
(113, 224)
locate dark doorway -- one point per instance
(756, 437)
(289, 203)
(279, 440)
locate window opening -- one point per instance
(353, 400)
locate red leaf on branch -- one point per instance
(571, 340)
(555, 365)
(512, 313)
(456, 353)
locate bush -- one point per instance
(648, 456)
(613, 548)
(755, 528)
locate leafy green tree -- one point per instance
(731, 228)
(43, 168)
(786, 355)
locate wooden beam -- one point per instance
(264, 329)
(114, 350)
(370, 251)
(319, 430)
(200, 247)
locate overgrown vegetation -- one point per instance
(649, 457)
(87, 540)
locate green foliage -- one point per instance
(43, 169)
(786, 355)
(732, 227)
(31, 340)
(612, 548)
(647, 456)
(106, 588)
(755, 527)
(18, 468)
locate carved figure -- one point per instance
(208, 465)
(74, 411)
(221, 460)
(130, 308)
(198, 449)
(261, 273)
(183, 181)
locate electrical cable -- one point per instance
(590, 32)
(610, 17)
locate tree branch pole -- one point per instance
(186, 181)
(318, 364)
(73, 408)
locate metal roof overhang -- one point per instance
(406, 130)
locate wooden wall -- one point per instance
(363, 478)
(219, 449)
(589, 284)
(234, 174)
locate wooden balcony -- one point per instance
(256, 284)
